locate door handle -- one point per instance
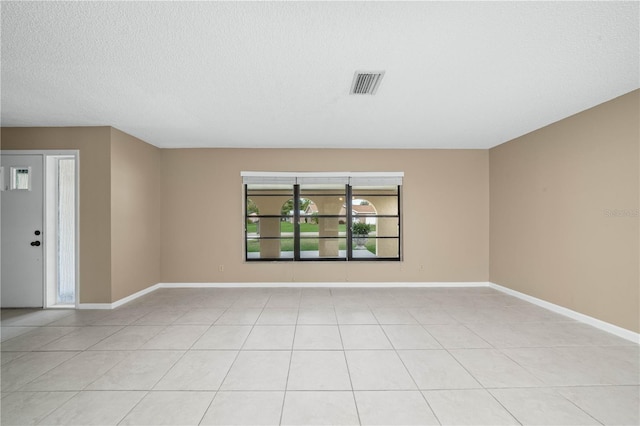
(35, 243)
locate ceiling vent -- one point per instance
(366, 82)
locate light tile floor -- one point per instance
(315, 356)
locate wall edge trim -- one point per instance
(310, 284)
(585, 319)
(82, 306)
(119, 302)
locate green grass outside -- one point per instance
(304, 227)
(306, 244)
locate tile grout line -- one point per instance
(344, 354)
(577, 406)
(286, 384)
(167, 372)
(81, 351)
(134, 407)
(471, 374)
(544, 384)
(143, 350)
(45, 372)
(215, 394)
(405, 366)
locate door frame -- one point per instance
(48, 256)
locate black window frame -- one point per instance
(296, 254)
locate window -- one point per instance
(20, 178)
(322, 216)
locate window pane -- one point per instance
(373, 247)
(323, 248)
(386, 227)
(269, 248)
(20, 178)
(377, 207)
(322, 201)
(66, 232)
(370, 203)
(323, 220)
(269, 229)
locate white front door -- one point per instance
(22, 231)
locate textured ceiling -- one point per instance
(278, 74)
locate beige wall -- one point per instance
(135, 215)
(552, 214)
(445, 215)
(119, 206)
(564, 213)
(95, 196)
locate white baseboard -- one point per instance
(586, 319)
(83, 306)
(119, 302)
(324, 285)
(602, 325)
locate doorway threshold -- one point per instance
(61, 307)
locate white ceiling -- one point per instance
(278, 74)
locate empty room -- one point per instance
(320, 213)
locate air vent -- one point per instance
(366, 82)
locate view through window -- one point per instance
(322, 217)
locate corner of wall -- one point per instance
(135, 215)
(564, 205)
